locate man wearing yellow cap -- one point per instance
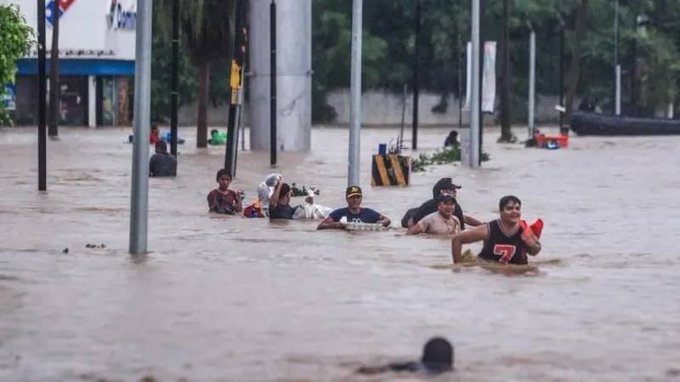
(353, 213)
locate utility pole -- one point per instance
(532, 80)
(272, 85)
(42, 100)
(562, 129)
(475, 93)
(355, 90)
(174, 92)
(416, 78)
(236, 88)
(617, 67)
(139, 203)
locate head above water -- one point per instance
(508, 200)
(161, 147)
(437, 355)
(222, 173)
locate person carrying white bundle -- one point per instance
(265, 191)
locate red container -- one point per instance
(545, 141)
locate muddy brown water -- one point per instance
(234, 299)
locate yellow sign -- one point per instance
(235, 80)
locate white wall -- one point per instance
(85, 26)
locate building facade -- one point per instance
(96, 62)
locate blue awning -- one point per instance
(80, 67)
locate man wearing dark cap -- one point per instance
(444, 186)
(162, 163)
(353, 213)
(441, 222)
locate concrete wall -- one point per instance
(385, 108)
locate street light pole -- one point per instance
(355, 90)
(475, 93)
(416, 79)
(139, 204)
(42, 94)
(617, 67)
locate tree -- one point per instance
(15, 42)
(575, 66)
(506, 132)
(207, 29)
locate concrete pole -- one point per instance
(475, 104)
(355, 102)
(532, 81)
(294, 71)
(140, 152)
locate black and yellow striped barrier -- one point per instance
(390, 170)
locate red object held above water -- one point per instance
(536, 227)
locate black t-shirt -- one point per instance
(431, 206)
(281, 211)
(504, 249)
(365, 215)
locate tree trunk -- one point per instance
(575, 66)
(55, 102)
(123, 108)
(506, 132)
(202, 112)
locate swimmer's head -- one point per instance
(437, 355)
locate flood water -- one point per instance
(234, 299)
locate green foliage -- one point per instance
(649, 56)
(197, 46)
(161, 79)
(15, 42)
(444, 156)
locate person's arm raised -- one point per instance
(274, 200)
(470, 236)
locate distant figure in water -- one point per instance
(452, 139)
(437, 358)
(162, 163)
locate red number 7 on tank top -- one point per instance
(505, 251)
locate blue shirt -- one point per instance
(365, 215)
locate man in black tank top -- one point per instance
(505, 241)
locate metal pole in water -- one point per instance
(562, 129)
(272, 84)
(142, 111)
(617, 67)
(174, 92)
(42, 102)
(355, 89)
(416, 79)
(236, 89)
(475, 93)
(532, 79)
